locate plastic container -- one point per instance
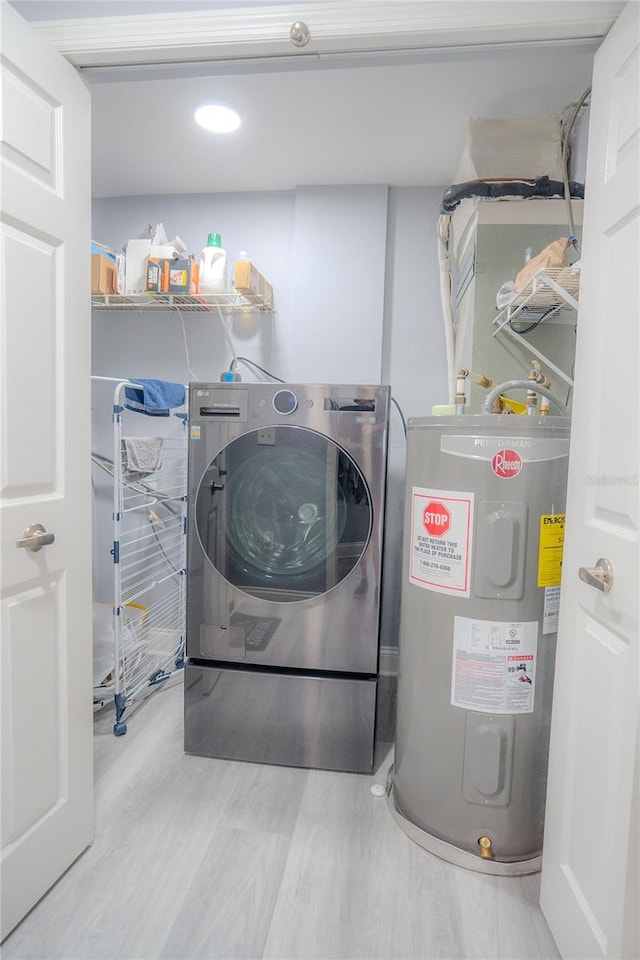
(246, 279)
(213, 267)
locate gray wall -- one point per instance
(356, 289)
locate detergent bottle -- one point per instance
(213, 266)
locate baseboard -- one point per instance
(388, 662)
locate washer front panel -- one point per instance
(285, 525)
(283, 513)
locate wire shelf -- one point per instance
(188, 303)
(546, 295)
(550, 287)
(544, 291)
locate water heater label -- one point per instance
(494, 665)
(441, 528)
(551, 549)
(551, 609)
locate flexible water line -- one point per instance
(444, 227)
(564, 139)
(522, 385)
(234, 362)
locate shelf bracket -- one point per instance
(538, 353)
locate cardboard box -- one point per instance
(183, 276)
(103, 274)
(266, 292)
(246, 278)
(508, 148)
(158, 274)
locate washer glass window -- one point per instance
(283, 513)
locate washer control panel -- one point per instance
(265, 403)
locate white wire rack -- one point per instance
(551, 287)
(149, 554)
(188, 303)
(548, 291)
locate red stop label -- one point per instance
(436, 518)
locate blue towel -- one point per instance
(156, 399)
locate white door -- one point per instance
(45, 600)
(590, 862)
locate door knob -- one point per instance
(35, 537)
(600, 576)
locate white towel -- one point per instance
(142, 455)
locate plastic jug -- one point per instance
(213, 267)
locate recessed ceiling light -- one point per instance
(217, 119)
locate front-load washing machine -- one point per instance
(286, 503)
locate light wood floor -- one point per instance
(196, 857)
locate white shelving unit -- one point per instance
(548, 293)
(227, 303)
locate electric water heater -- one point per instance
(484, 532)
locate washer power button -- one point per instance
(285, 402)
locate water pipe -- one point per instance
(478, 378)
(461, 386)
(444, 227)
(522, 385)
(461, 390)
(536, 375)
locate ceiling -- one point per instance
(398, 119)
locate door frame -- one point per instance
(337, 31)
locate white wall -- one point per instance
(355, 275)
(335, 328)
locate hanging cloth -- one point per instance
(156, 398)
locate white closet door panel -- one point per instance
(45, 598)
(30, 368)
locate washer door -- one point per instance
(283, 513)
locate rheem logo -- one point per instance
(436, 519)
(506, 464)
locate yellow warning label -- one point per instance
(551, 547)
